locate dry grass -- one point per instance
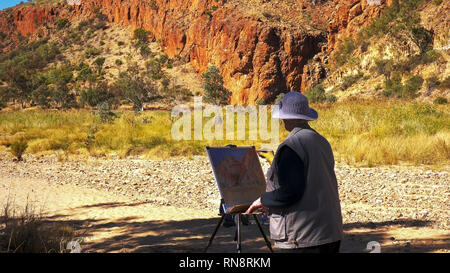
(27, 232)
(360, 132)
(377, 132)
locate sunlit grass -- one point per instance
(361, 132)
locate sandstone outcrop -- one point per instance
(258, 60)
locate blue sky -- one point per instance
(8, 3)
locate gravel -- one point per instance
(377, 194)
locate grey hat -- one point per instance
(294, 106)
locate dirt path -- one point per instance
(116, 221)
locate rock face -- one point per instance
(349, 16)
(257, 60)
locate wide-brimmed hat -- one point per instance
(294, 106)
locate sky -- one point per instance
(9, 3)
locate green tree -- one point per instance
(95, 96)
(423, 38)
(134, 87)
(315, 94)
(214, 91)
(42, 96)
(141, 36)
(19, 85)
(58, 80)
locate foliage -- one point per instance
(395, 88)
(92, 52)
(18, 147)
(344, 51)
(440, 100)
(350, 80)
(96, 95)
(141, 36)
(377, 131)
(214, 91)
(104, 112)
(145, 50)
(62, 23)
(315, 94)
(423, 38)
(134, 87)
(28, 232)
(331, 98)
(99, 63)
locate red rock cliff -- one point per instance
(257, 60)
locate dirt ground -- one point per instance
(113, 223)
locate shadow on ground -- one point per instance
(132, 235)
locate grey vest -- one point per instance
(315, 219)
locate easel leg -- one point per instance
(269, 245)
(214, 233)
(239, 234)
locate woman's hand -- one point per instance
(255, 206)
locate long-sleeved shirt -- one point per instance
(291, 178)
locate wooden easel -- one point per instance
(238, 236)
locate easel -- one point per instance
(238, 237)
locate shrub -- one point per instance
(95, 96)
(104, 112)
(350, 80)
(411, 87)
(344, 51)
(18, 148)
(42, 96)
(144, 50)
(134, 87)
(163, 58)
(99, 63)
(119, 62)
(423, 38)
(383, 67)
(214, 92)
(92, 52)
(432, 83)
(331, 98)
(141, 35)
(84, 72)
(62, 23)
(445, 84)
(120, 43)
(315, 94)
(394, 87)
(440, 100)
(27, 232)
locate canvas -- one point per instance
(238, 174)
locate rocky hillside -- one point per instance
(262, 47)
